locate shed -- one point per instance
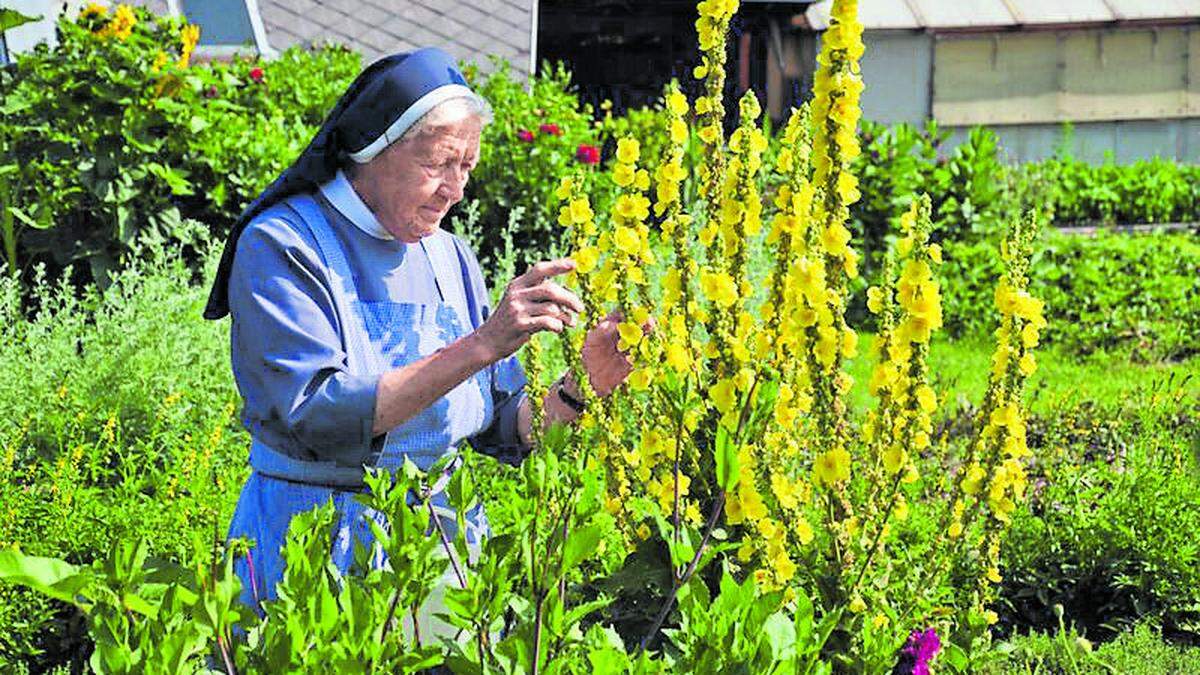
(1125, 73)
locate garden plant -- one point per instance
(768, 493)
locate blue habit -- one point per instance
(324, 301)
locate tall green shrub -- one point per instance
(113, 134)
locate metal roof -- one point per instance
(965, 14)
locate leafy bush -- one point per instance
(113, 134)
(1141, 651)
(1146, 191)
(967, 185)
(120, 422)
(1103, 293)
(1109, 533)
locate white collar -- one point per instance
(342, 196)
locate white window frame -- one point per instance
(261, 46)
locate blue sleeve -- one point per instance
(288, 356)
(501, 438)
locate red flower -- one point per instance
(256, 74)
(588, 154)
(551, 129)
(525, 135)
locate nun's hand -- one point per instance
(531, 303)
(607, 366)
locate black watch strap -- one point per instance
(572, 402)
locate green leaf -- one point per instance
(727, 461)
(780, 634)
(11, 18)
(24, 218)
(580, 544)
(50, 576)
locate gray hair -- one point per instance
(448, 110)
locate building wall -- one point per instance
(896, 68)
(1125, 141)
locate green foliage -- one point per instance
(967, 185)
(1146, 191)
(1141, 651)
(743, 630)
(105, 138)
(1111, 292)
(120, 422)
(1109, 533)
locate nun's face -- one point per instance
(412, 184)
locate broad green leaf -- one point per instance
(11, 18)
(50, 576)
(580, 544)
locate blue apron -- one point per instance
(377, 337)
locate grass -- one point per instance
(960, 369)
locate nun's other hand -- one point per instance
(531, 303)
(607, 367)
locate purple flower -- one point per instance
(922, 646)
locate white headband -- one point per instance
(409, 118)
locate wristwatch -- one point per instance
(571, 402)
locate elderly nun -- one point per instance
(361, 332)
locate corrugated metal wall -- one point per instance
(1126, 141)
(898, 66)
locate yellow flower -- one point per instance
(679, 132)
(935, 253)
(580, 211)
(627, 240)
(641, 180)
(723, 395)
(93, 9)
(623, 174)
(122, 23)
(719, 287)
(834, 238)
(677, 357)
(875, 299)
(631, 335)
(585, 259)
(677, 103)
(833, 466)
(189, 37)
(973, 479)
(639, 380)
(628, 150)
(564, 188)
(926, 398)
(785, 491)
(1027, 364)
(709, 134)
(803, 531)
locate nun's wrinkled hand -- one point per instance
(531, 303)
(607, 366)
